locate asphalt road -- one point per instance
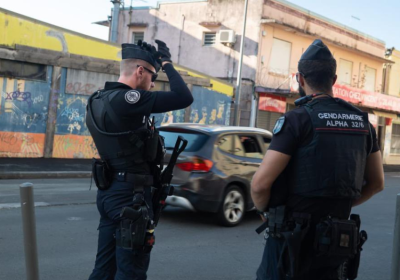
(188, 246)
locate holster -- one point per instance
(290, 261)
(101, 174)
(135, 231)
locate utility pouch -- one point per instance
(336, 238)
(133, 228)
(151, 146)
(101, 174)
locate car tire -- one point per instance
(232, 209)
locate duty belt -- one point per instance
(138, 181)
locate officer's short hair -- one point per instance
(319, 74)
(128, 66)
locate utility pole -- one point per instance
(236, 119)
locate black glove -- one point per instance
(152, 50)
(164, 51)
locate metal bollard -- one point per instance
(396, 243)
(29, 228)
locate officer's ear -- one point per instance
(301, 81)
(334, 80)
(139, 71)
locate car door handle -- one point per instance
(245, 163)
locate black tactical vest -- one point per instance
(124, 150)
(332, 164)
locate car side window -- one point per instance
(267, 142)
(251, 147)
(230, 144)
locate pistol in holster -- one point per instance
(136, 230)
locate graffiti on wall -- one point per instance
(23, 105)
(23, 116)
(71, 115)
(74, 146)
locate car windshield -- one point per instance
(195, 140)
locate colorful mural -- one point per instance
(210, 107)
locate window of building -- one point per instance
(370, 78)
(345, 72)
(210, 38)
(136, 36)
(395, 141)
(22, 70)
(279, 62)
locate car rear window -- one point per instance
(195, 140)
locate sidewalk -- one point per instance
(37, 168)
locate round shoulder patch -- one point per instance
(279, 124)
(132, 96)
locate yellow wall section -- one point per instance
(15, 30)
(217, 85)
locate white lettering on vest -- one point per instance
(337, 123)
(334, 116)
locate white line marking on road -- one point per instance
(74, 218)
(18, 205)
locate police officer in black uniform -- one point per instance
(118, 119)
(323, 160)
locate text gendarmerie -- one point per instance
(342, 120)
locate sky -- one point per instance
(379, 19)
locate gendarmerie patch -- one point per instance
(132, 96)
(341, 122)
(278, 125)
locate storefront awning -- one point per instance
(385, 115)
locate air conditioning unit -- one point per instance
(227, 36)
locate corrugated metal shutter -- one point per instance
(266, 120)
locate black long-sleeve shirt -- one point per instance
(132, 105)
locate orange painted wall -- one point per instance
(20, 144)
(74, 146)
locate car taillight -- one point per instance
(196, 165)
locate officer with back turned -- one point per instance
(323, 160)
(131, 153)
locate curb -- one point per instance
(46, 175)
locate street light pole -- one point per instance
(236, 119)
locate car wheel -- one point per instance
(232, 208)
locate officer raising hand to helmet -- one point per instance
(131, 154)
(323, 160)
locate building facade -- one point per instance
(392, 84)
(192, 31)
(277, 33)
